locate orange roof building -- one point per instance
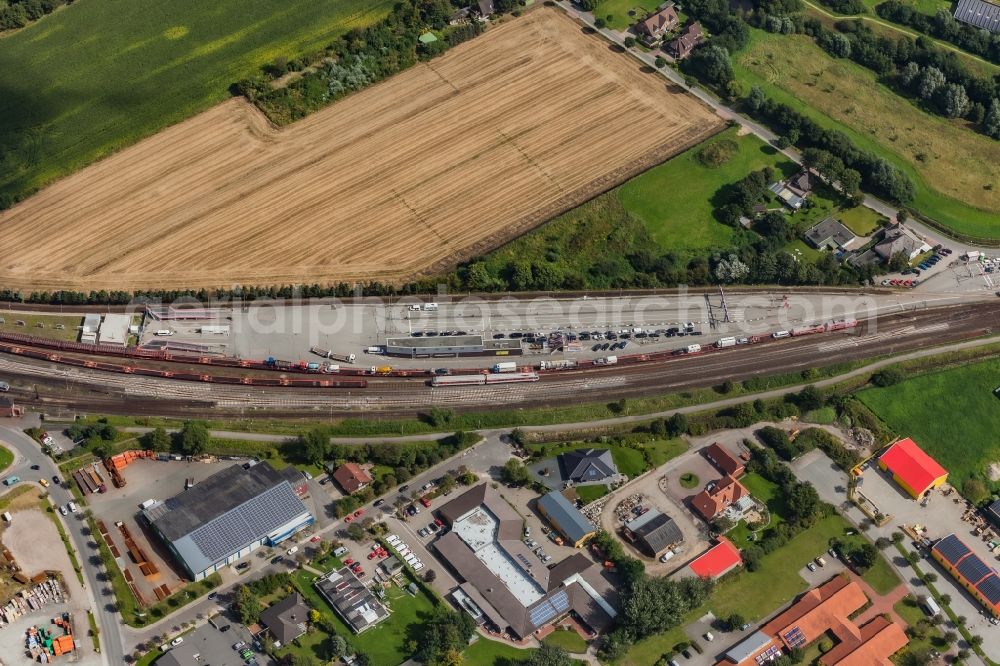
(710, 503)
(725, 461)
(915, 471)
(352, 477)
(821, 610)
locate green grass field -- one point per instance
(42, 326)
(494, 653)
(841, 95)
(676, 199)
(588, 494)
(6, 458)
(619, 10)
(862, 221)
(384, 644)
(567, 640)
(97, 76)
(924, 408)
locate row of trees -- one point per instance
(943, 25)
(360, 58)
(19, 13)
(916, 68)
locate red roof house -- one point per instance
(725, 461)
(709, 503)
(352, 477)
(718, 560)
(915, 471)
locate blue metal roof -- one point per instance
(565, 516)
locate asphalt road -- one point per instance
(30, 454)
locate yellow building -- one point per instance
(914, 471)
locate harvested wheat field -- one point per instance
(446, 159)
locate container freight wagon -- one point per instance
(505, 366)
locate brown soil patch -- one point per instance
(447, 159)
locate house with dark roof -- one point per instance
(723, 460)
(566, 518)
(900, 239)
(656, 25)
(689, 38)
(911, 468)
(718, 496)
(585, 466)
(503, 585)
(229, 515)
(980, 14)
(286, 620)
(352, 477)
(830, 234)
(485, 8)
(823, 611)
(653, 533)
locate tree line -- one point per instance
(16, 14)
(359, 58)
(942, 25)
(915, 68)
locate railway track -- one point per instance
(76, 388)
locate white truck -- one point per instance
(375, 349)
(780, 334)
(163, 332)
(722, 343)
(607, 360)
(343, 358)
(692, 349)
(505, 366)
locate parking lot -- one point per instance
(589, 327)
(207, 645)
(147, 479)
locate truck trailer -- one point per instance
(343, 358)
(505, 366)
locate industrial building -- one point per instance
(566, 519)
(354, 603)
(229, 515)
(978, 578)
(915, 471)
(653, 533)
(504, 586)
(114, 329)
(823, 611)
(450, 346)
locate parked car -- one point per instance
(811, 566)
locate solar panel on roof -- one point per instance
(549, 608)
(951, 548)
(972, 568)
(248, 522)
(990, 588)
(795, 638)
(980, 14)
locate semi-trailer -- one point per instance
(607, 360)
(722, 343)
(505, 366)
(343, 358)
(319, 351)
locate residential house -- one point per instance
(831, 234)
(898, 239)
(689, 38)
(352, 477)
(719, 496)
(723, 460)
(584, 466)
(485, 8)
(653, 533)
(286, 619)
(658, 24)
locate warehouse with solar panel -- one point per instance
(229, 515)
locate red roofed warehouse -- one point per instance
(352, 477)
(710, 502)
(915, 471)
(717, 561)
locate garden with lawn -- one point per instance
(386, 643)
(485, 652)
(568, 640)
(923, 408)
(632, 458)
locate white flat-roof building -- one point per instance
(114, 329)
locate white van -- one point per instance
(292, 550)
